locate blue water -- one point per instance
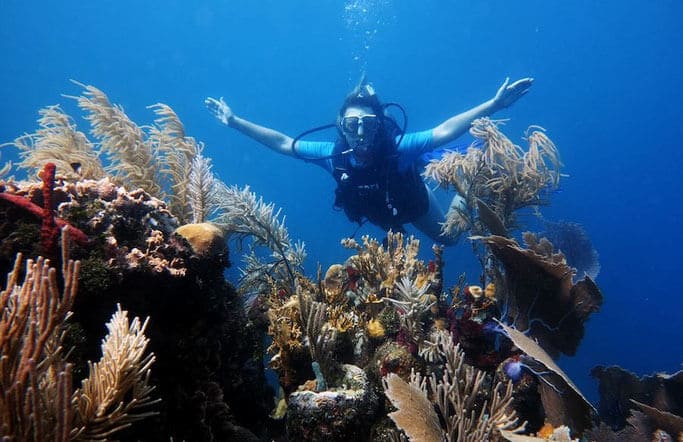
(607, 90)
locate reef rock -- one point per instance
(335, 415)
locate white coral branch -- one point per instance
(118, 385)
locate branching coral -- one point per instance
(321, 339)
(35, 381)
(497, 172)
(245, 216)
(59, 142)
(414, 302)
(202, 190)
(132, 160)
(36, 402)
(301, 321)
(394, 277)
(118, 388)
(6, 168)
(286, 330)
(51, 224)
(355, 303)
(382, 267)
(461, 390)
(184, 173)
(468, 408)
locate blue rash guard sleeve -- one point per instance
(415, 144)
(316, 152)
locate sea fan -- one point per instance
(573, 241)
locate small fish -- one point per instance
(76, 167)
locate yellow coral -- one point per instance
(375, 329)
(341, 319)
(475, 291)
(205, 238)
(490, 291)
(285, 329)
(280, 401)
(373, 304)
(423, 279)
(334, 282)
(431, 299)
(545, 431)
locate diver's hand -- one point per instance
(220, 110)
(509, 93)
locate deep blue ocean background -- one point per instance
(608, 89)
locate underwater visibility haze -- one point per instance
(606, 90)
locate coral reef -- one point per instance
(50, 225)
(469, 405)
(135, 259)
(377, 312)
(158, 158)
(371, 349)
(562, 401)
(209, 373)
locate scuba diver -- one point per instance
(376, 164)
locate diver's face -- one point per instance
(359, 126)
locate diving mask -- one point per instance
(351, 124)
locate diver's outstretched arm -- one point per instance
(455, 126)
(273, 139)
